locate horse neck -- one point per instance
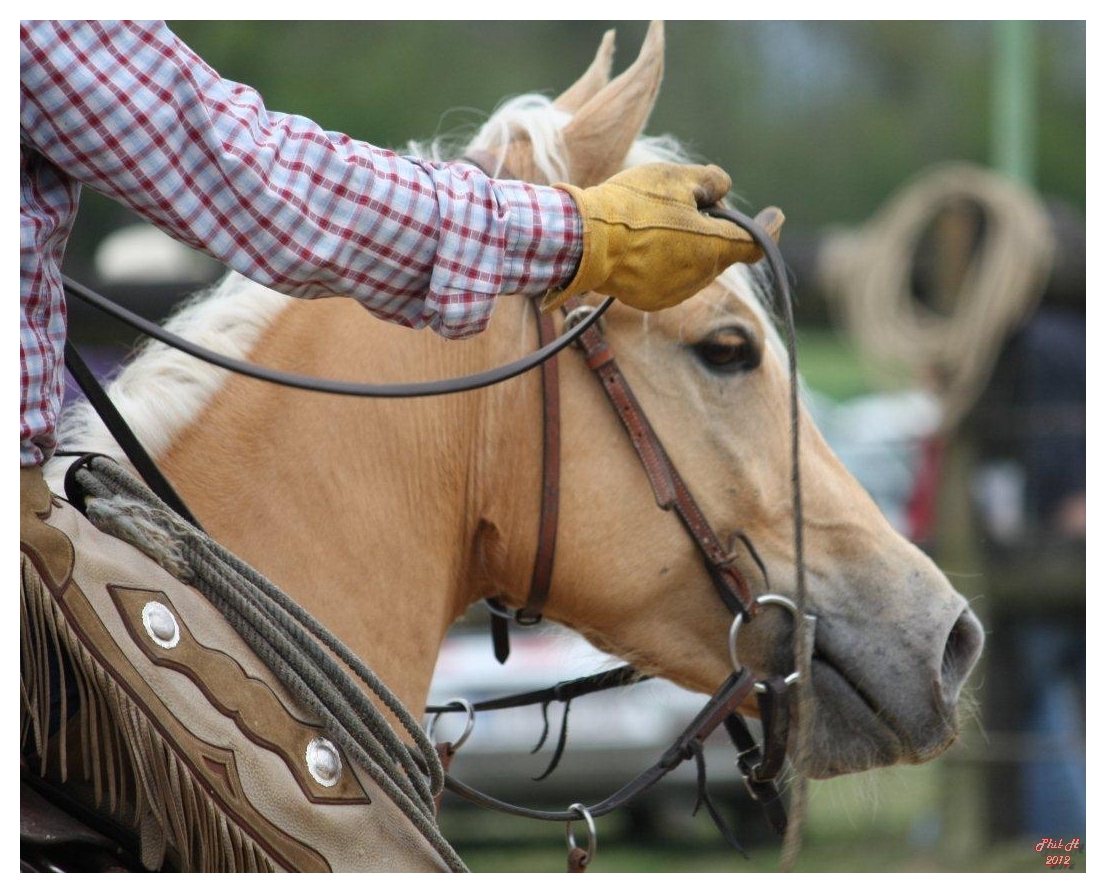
(385, 519)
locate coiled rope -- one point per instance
(867, 272)
(294, 646)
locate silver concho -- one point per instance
(160, 624)
(324, 762)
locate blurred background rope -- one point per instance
(987, 280)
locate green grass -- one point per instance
(908, 819)
(875, 856)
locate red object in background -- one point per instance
(921, 510)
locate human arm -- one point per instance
(129, 110)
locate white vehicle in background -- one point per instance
(612, 735)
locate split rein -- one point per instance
(759, 769)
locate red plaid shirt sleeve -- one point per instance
(127, 109)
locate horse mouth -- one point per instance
(829, 666)
(854, 732)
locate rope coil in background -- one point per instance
(868, 271)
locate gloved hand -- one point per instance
(647, 243)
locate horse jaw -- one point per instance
(894, 642)
(894, 647)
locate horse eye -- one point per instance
(728, 351)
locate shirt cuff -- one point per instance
(544, 238)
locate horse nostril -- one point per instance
(962, 650)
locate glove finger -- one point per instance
(713, 185)
(771, 221)
(740, 245)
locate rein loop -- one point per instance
(404, 390)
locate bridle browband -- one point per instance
(759, 770)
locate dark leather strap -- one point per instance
(562, 691)
(774, 718)
(501, 630)
(551, 477)
(141, 460)
(718, 710)
(669, 488)
(542, 574)
(325, 385)
(766, 793)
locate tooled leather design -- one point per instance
(252, 705)
(214, 765)
(49, 549)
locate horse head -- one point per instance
(894, 641)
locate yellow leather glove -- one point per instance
(646, 241)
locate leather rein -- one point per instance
(671, 493)
(759, 770)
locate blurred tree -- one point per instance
(824, 119)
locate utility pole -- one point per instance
(1014, 101)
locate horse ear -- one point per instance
(600, 134)
(592, 81)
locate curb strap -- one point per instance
(577, 860)
(774, 718)
(748, 758)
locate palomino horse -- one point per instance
(388, 519)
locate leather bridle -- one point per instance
(670, 492)
(760, 769)
(669, 488)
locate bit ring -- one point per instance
(768, 598)
(470, 722)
